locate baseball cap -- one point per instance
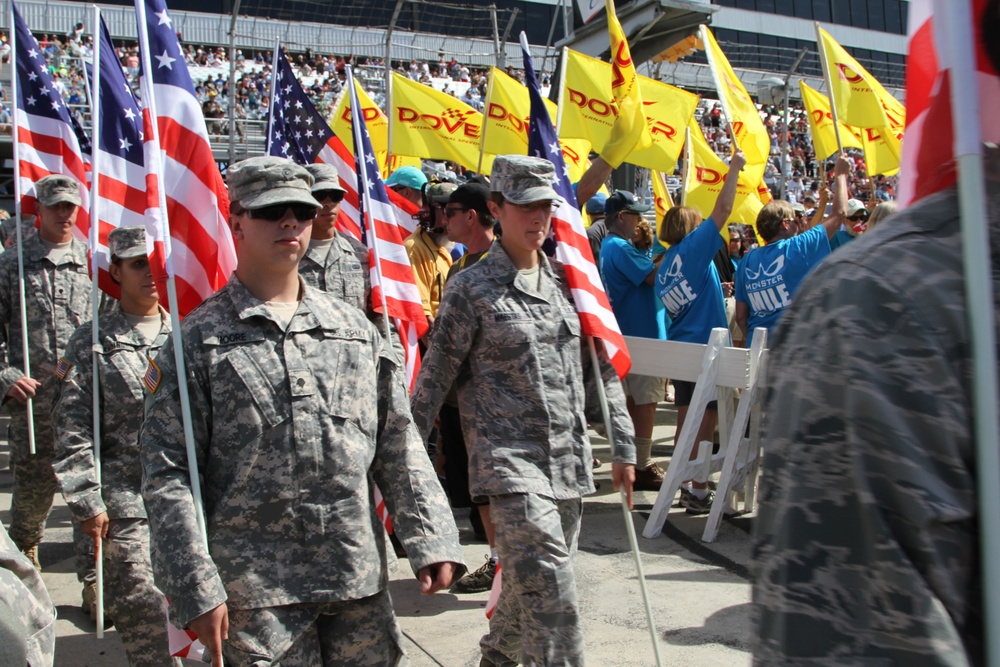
(57, 188)
(127, 242)
(798, 208)
(623, 200)
(854, 206)
(407, 177)
(257, 182)
(473, 196)
(523, 179)
(595, 205)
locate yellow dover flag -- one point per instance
(750, 134)
(589, 112)
(505, 125)
(661, 200)
(821, 124)
(705, 176)
(430, 124)
(375, 120)
(628, 132)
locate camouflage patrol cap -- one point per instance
(265, 181)
(326, 177)
(439, 193)
(523, 179)
(127, 242)
(56, 188)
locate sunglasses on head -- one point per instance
(333, 195)
(276, 212)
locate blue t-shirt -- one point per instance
(842, 237)
(624, 269)
(768, 277)
(688, 284)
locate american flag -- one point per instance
(572, 247)
(46, 142)
(127, 190)
(297, 131)
(394, 291)
(199, 251)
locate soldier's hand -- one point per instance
(23, 389)
(623, 475)
(436, 577)
(212, 629)
(97, 527)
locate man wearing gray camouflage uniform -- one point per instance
(867, 548)
(298, 407)
(27, 615)
(112, 508)
(508, 335)
(57, 287)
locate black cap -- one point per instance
(623, 200)
(472, 195)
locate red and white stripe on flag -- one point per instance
(182, 643)
(928, 163)
(380, 508)
(491, 602)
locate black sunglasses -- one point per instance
(861, 215)
(302, 212)
(333, 195)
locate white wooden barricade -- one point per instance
(732, 376)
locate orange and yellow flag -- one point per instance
(704, 178)
(505, 124)
(629, 132)
(430, 124)
(588, 112)
(821, 124)
(750, 134)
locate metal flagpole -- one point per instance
(95, 296)
(175, 320)
(482, 135)
(955, 22)
(626, 511)
(29, 404)
(270, 101)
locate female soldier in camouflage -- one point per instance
(112, 508)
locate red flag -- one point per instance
(928, 164)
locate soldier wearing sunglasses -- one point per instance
(297, 406)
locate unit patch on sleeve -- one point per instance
(152, 377)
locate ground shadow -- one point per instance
(727, 626)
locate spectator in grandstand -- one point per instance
(688, 284)
(768, 277)
(628, 275)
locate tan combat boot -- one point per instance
(32, 555)
(89, 605)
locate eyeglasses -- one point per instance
(860, 216)
(333, 195)
(274, 213)
(448, 212)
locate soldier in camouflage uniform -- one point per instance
(112, 508)
(27, 615)
(509, 336)
(298, 406)
(866, 549)
(57, 286)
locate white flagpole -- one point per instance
(95, 295)
(828, 76)
(482, 136)
(175, 321)
(274, 87)
(955, 22)
(29, 404)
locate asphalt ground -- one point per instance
(699, 592)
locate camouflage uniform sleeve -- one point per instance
(183, 568)
(74, 462)
(451, 341)
(8, 301)
(621, 422)
(24, 592)
(421, 516)
(866, 526)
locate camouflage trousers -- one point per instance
(360, 633)
(133, 601)
(35, 484)
(537, 619)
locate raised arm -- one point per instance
(724, 204)
(840, 197)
